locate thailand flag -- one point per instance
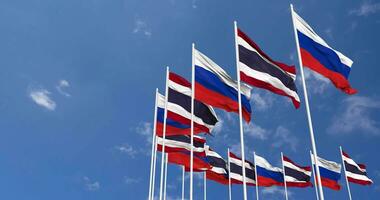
(356, 173)
(330, 173)
(268, 175)
(296, 175)
(236, 170)
(215, 87)
(317, 55)
(218, 171)
(183, 158)
(176, 143)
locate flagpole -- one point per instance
(345, 173)
(257, 180)
(192, 120)
(183, 182)
(315, 179)
(204, 186)
(240, 113)
(229, 175)
(166, 174)
(164, 134)
(152, 159)
(154, 163)
(283, 172)
(314, 148)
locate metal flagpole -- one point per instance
(256, 179)
(283, 172)
(154, 165)
(204, 186)
(164, 134)
(152, 159)
(183, 182)
(345, 173)
(240, 112)
(192, 120)
(314, 148)
(229, 174)
(166, 174)
(315, 179)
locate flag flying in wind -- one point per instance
(176, 143)
(236, 170)
(295, 175)
(218, 171)
(268, 175)
(330, 173)
(317, 55)
(215, 87)
(183, 158)
(259, 70)
(172, 127)
(356, 173)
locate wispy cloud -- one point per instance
(130, 180)
(141, 27)
(283, 137)
(366, 8)
(91, 185)
(42, 98)
(356, 116)
(62, 85)
(316, 82)
(126, 149)
(256, 131)
(262, 100)
(145, 129)
(275, 191)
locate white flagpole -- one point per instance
(314, 148)
(345, 174)
(283, 172)
(183, 182)
(153, 159)
(256, 179)
(240, 112)
(164, 134)
(229, 175)
(166, 174)
(192, 120)
(315, 178)
(154, 163)
(204, 186)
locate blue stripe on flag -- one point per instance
(329, 174)
(277, 176)
(169, 122)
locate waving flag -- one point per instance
(295, 175)
(218, 171)
(215, 87)
(259, 70)
(330, 173)
(183, 158)
(179, 103)
(317, 55)
(236, 170)
(176, 143)
(356, 173)
(268, 175)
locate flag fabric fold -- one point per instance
(330, 173)
(317, 55)
(215, 87)
(183, 158)
(236, 170)
(259, 70)
(295, 175)
(268, 175)
(177, 143)
(356, 173)
(218, 171)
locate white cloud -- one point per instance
(126, 149)
(218, 128)
(366, 8)
(356, 116)
(91, 185)
(145, 129)
(41, 97)
(129, 180)
(256, 131)
(283, 137)
(262, 100)
(62, 84)
(141, 27)
(315, 82)
(275, 191)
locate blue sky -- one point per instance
(77, 88)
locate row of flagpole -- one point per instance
(162, 190)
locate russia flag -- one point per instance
(317, 55)
(330, 173)
(267, 175)
(215, 87)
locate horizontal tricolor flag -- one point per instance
(268, 175)
(215, 87)
(175, 143)
(179, 101)
(183, 158)
(317, 55)
(356, 173)
(218, 171)
(259, 70)
(330, 173)
(295, 175)
(236, 170)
